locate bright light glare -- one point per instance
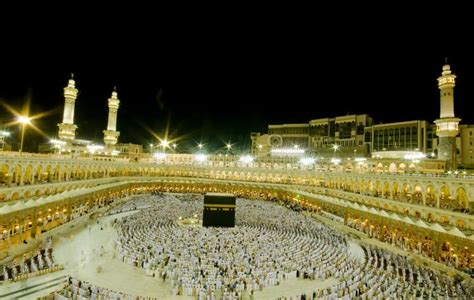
(415, 156)
(164, 143)
(306, 161)
(159, 155)
(335, 161)
(287, 151)
(4, 133)
(201, 157)
(57, 143)
(246, 159)
(360, 159)
(94, 148)
(24, 120)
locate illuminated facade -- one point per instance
(133, 152)
(424, 209)
(316, 138)
(447, 125)
(466, 141)
(67, 129)
(111, 134)
(400, 136)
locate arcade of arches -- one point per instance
(24, 224)
(449, 193)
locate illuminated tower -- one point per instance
(111, 134)
(447, 124)
(67, 129)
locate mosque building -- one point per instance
(321, 210)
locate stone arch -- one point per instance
(444, 198)
(379, 168)
(430, 195)
(417, 196)
(378, 188)
(16, 174)
(402, 168)
(460, 224)
(15, 196)
(38, 174)
(386, 189)
(406, 192)
(370, 187)
(461, 199)
(395, 190)
(28, 174)
(48, 173)
(392, 168)
(5, 175)
(56, 176)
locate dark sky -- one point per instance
(217, 86)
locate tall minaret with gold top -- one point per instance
(67, 129)
(111, 134)
(447, 125)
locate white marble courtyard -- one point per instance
(89, 254)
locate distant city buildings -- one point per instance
(356, 136)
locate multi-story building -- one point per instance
(317, 137)
(131, 151)
(414, 135)
(466, 142)
(292, 135)
(355, 136)
(345, 133)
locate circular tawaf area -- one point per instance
(269, 243)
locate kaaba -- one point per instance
(219, 210)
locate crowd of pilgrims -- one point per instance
(81, 289)
(270, 243)
(386, 275)
(41, 260)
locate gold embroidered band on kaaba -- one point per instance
(220, 205)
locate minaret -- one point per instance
(111, 134)
(447, 124)
(67, 129)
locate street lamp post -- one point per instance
(23, 121)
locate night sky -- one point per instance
(216, 87)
